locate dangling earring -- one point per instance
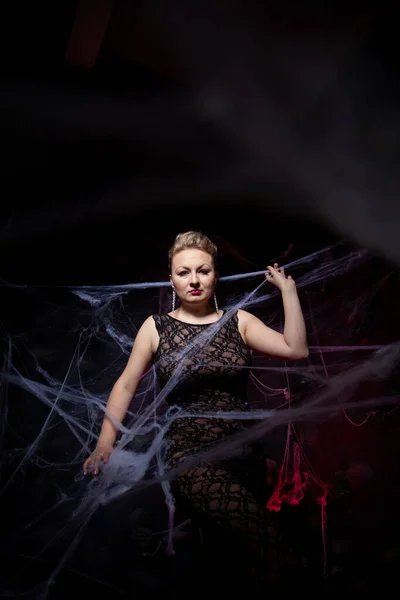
(216, 303)
(173, 299)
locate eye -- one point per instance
(205, 271)
(182, 273)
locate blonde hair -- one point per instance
(192, 239)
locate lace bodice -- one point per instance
(210, 361)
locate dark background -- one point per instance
(126, 122)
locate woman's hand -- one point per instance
(101, 454)
(278, 278)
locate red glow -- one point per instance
(295, 476)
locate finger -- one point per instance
(95, 468)
(269, 277)
(86, 465)
(106, 457)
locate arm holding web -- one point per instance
(292, 344)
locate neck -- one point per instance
(195, 311)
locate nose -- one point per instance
(194, 280)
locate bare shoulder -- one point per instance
(148, 334)
(244, 317)
(249, 326)
(141, 356)
(149, 324)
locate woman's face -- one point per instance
(193, 276)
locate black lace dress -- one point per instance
(212, 364)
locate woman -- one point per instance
(211, 364)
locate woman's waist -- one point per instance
(214, 401)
